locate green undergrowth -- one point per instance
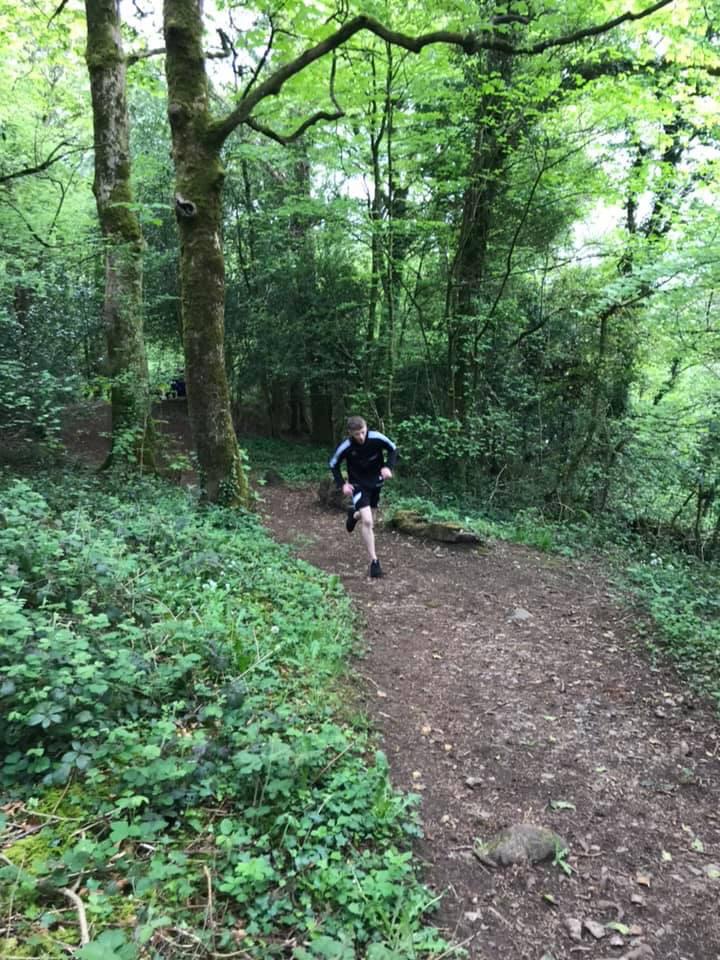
(297, 463)
(678, 591)
(179, 756)
(681, 595)
(525, 526)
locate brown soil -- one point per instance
(559, 718)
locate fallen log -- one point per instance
(412, 523)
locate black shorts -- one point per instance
(365, 496)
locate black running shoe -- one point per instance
(375, 569)
(351, 520)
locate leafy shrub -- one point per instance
(681, 595)
(168, 678)
(457, 450)
(32, 395)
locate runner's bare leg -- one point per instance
(367, 532)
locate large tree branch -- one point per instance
(58, 11)
(53, 157)
(263, 60)
(470, 43)
(132, 58)
(583, 34)
(317, 117)
(287, 138)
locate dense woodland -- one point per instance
(498, 244)
(493, 230)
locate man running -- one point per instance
(370, 458)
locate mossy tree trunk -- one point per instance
(198, 205)
(132, 432)
(493, 140)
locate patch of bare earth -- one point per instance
(510, 686)
(86, 435)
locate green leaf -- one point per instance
(146, 931)
(120, 830)
(110, 945)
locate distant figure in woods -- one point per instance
(370, 458)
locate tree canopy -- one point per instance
(490, 229)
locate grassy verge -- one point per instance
(179, 776)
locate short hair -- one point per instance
(355, 423)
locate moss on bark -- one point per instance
(199, 180)
(133, 434)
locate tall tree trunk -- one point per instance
(321, 415)
(132, 432)
(303, 299)
(199, 178)
(298, 418)
(492, 143)
(376, 252)
(389, 280)
(386, 202)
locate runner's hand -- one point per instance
(347, 489)
(386, 473)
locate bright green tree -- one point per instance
(198, 139)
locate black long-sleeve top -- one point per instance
(364, 461)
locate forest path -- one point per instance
(558, 718)
(508, 686)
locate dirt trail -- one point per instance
(510, 686)
(557, 718)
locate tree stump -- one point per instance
(330, 496)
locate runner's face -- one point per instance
(359, 435)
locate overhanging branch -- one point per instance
(469, 43)
(317, 117)
(586, 32)
(286, 139)
(58, 11)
